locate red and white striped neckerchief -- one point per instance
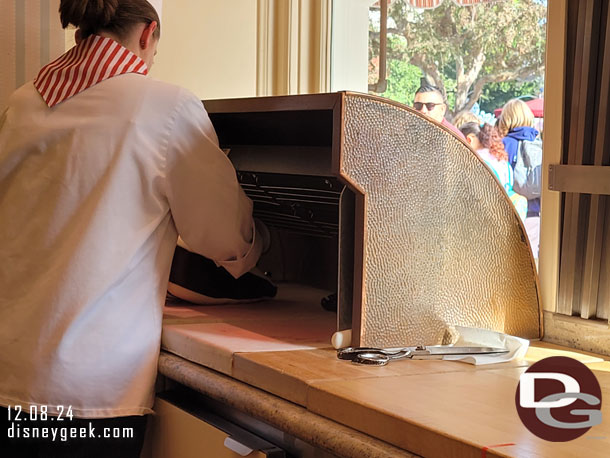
(93, 60)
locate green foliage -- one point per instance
(495, 95)
(464, 49)
(403, 81)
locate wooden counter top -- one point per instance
(430, 408)
(212, 335)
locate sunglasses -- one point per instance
(429, 105)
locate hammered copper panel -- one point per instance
(443, 245)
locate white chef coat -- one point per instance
(92, 195)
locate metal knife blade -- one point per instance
(446, 350)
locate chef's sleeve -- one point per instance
(212, 213)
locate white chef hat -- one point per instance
(157, 5)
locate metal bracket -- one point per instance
(583, 179)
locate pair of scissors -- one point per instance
(381, 356)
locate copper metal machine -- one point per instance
(368, 198)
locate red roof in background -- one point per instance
(435, 3)
(427, 4)
(536, 105)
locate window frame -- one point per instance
(571, 331)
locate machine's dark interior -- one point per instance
(283, 161)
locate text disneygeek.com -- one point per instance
(64, 433)
(55, 426)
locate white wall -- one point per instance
(350, 45)
(30, 37)
(209, 47)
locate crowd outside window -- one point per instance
(487, 143)
(516, 126)
(430, 101)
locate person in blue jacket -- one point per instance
(516, 124)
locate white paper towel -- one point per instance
(473, 337)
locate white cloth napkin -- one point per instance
(473, 337)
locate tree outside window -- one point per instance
(484, 54)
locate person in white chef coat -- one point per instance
(101, 168)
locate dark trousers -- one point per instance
(120, 437)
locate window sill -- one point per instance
(575, 332)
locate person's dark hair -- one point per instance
(427, 87)
(469, 128)
(113, 16)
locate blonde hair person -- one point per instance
(466, 117)
(516, 126)
(101, 168)
(515, 114)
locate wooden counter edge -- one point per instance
(284, 415)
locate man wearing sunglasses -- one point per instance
(429, 101)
